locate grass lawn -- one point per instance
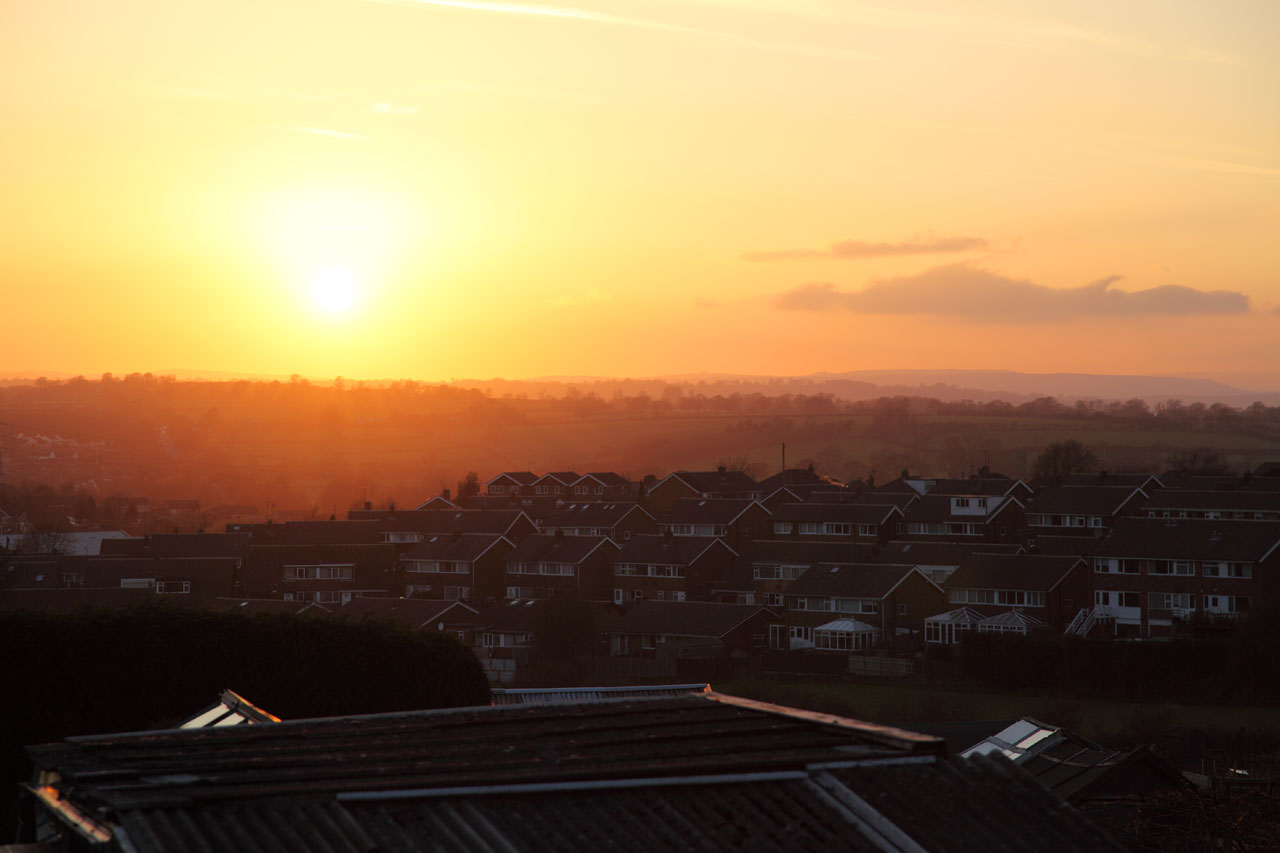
(1108, 721)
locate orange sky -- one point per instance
(639, 188)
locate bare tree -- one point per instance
(1062, 459)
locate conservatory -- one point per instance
(845, 635)
(948, 628)
(1010, 622)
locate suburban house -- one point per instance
(619, 521)
(506, 634)
(1148, 575)
(511, 483)
(65, 580)
(965, 517)
(866, 524)
(421, 614)
(554, 565)
(735, 520)
(766, 568)
(328, 574)
(1018, 592)
(669, 568)
(555, 484)
(1236, 505)
(858, 607)
(720, 483)
(700, 629)
(601, 486)
(467, 566)
(407, 526)
(1080, 510)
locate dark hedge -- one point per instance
(102, 670)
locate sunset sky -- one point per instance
(463, 188)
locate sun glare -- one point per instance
(333, 290)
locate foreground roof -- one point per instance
(703, 771)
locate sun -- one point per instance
(333, 290)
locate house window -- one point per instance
(453, 593)
(581, 490)
(773, 599)
(173, 587)
(777, 636)
(637, 595)
(810, 528)
(782, 528)
(542, 490)
(617, 596)
(867, 529)
(832, 528)
(412, 589)
(599, 490)
(626, 536)
(1228, 570)
(497, 490)
(902, 610)
(962, 503)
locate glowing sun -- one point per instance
(333, 290)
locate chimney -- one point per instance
(368, 505)
(720, 469)
(444, 493)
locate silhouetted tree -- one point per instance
(1200, 460)
(1062, 459)
(469, 486)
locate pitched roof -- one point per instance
(707, 510)
(730, 774)
(524, 478)
(605, 478)
(440, 520)
(1083, 500)
(589, 514)
(548, 547)
(1167, 538)
(414, 612)
(1107, 478)
(1011, 571)
(933, 507)
(525, 616)
(463, 547)
(794, 477)
(564, 478)
(839, 513)
(861, 580)
(665, 550)
(199, 544)
(939, 553)
(686, 618)
(715, 482)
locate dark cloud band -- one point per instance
(961, 291)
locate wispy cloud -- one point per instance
(980, 29)
(573, 13)
(384, 108)
(860, 249)
(968, 293)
